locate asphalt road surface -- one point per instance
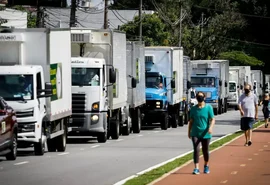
(87, 162)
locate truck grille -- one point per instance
(77, 121)
(154, 104)
(78, 103)
(25, 113)
(26, 127)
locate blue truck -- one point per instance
(212, 78)
(165, 89)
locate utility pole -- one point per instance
(140, 26)
(106, 15)
(72, 22)
(202, 24)
(180, 23)
(39, 15)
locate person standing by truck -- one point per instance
(200, 129)
(266, 108)
(248, 107)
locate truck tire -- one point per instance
(215, 111)
(165, 121)
(181, 120)
(125, 129)
(61, 141)
(136, 121)
(12, 155)
(39, 147)
(51, 145)
(115, 129)
(174, 121)
(102, 137)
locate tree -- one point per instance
(31, 19)
(240, 58)
(154, 32)
(2, 21)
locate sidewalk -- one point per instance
(233, 164)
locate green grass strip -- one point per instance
(154, 174)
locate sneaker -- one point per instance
(246, 144)
(196, 171)
(249, 143)
(206, 169)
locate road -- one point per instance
(89, 162)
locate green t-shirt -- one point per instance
(201, 121)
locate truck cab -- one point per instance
(233, 94)
(156, 91)
(89, 97)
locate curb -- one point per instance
(190, 161)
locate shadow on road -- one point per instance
(261, 131)
(227, 122)
(81, 140)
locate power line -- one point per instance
(248, 15)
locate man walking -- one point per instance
(248, 107)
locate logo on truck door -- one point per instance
(56, 81)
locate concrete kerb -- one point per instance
(177, 157)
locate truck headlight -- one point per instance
(94, 118)
(157, 103)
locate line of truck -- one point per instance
(89, 82)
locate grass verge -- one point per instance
(154, 174)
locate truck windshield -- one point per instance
(153, 82)
(202, 82)
(192, 94)
(85, 76)
(16, 87)
(232, 87)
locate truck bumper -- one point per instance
(232, 102)
(29, 132)
(154, 115)
(88, 123)
(214, 105)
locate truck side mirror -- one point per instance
(173, 84)
(133, 83)
(241, 87)
(254, 87)
(220, 82)
(112, 75)
(188, 84)
(260, 85)
(48, 91)
(226, 84)
(237, 86)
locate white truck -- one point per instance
(35, 76)
(212, 78)
(267, 83)
(258, 83)
(136, 92)
(164, 86)
(234, 88)
(99, 84)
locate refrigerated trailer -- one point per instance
(35, 76)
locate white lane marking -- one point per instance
(157, 131)
(66, 153)
(234, 172)
(119, 140)
(250, 159)
(95, 146)
(139, 135)
(224, 182)
(172, 159)
(24, 162)
(243, 165)
(82, 149)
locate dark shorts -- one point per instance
(247, 123)
(266, 113)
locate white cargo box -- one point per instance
(136, 69)
(169, 61)
(110, 45)
(48, 48)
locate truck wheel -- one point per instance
(115, 130)
(215, 111)
(125, 129)
(51, 145)
(136, 121)
(174, 121)
(102, 137)
(164, 122)
(61, 141)
(40, 146)
(12, 155)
